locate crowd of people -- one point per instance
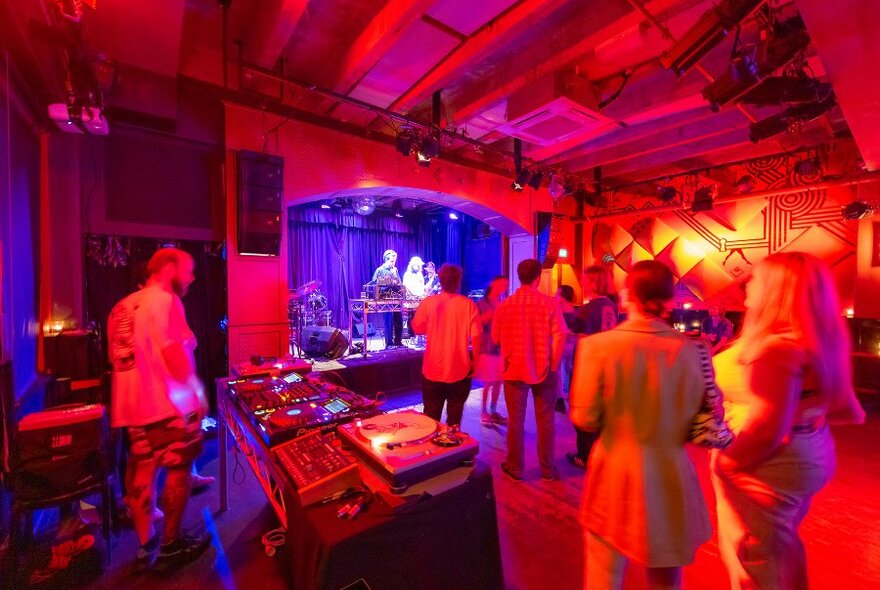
(635, 390)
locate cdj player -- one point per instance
(282, 408)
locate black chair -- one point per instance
(46, 473)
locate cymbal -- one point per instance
(305, 289)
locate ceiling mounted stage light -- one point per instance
(397, 208)
(522, 179)
(557, 187)
(809, 166)
(364, 205)
(453, 216)
(666, 193)
(326, 206)
(747, 69)
(703, 199)
(857, 210)
(535, 180)
(429, 149)
(745, 184)
(405, 141)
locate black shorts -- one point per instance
(170, 442)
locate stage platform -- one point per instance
(390, 371)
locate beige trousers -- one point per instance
(761, 509)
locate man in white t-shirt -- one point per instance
(158, 398)
(450, 321)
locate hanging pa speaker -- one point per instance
(260, 198)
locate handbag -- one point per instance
(708, 428)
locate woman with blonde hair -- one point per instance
(784, 380)
(640, 385)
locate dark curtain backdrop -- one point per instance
(342, 249)
(114, 267)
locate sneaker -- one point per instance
(576, 460)
(560, 405)
(497, 418)
(550, 476)
(486, 419)
(185, 549)
(505, 468)
(200, 482)
(147, 555)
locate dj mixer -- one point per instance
(282, 408)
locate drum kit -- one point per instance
(307, 307)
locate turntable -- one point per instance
(405, 448)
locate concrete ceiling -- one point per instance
(396, 53)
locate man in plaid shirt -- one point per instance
(530, 329)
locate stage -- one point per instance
(387, 371)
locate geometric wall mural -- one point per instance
(711, 253)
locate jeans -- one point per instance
(516, 395)
(393, 328)
(454, 395)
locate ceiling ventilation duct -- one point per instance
(554, 109)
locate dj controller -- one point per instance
(285, 407)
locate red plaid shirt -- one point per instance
(530, 329)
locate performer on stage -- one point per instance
(432, 281)
(387, 275)
(414, 279)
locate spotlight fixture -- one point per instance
(790, 90)
(745, 184)
(397, 208)
(708, 32)
(364, 205)
(783, 44)
(703, 199)
(326, 206)
(522, 179)
(557, 187)
(535, 180)
(453, 216)
(666, 193)
(808, 166)
(563, 253)
(429, 149)
(857, 210)
(405, 140)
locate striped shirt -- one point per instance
(529, 327)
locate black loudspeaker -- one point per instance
(260, 196)
(324, 341)
(549, 231)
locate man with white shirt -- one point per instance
(451, 322)
(158, 398)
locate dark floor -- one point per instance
(540, 537)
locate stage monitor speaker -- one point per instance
(325, 341)
(260, 197)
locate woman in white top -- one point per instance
(784, 380)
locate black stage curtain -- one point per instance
(342, 249)
(115, 266)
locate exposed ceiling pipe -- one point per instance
(864, 179)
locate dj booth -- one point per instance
(366, 503)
